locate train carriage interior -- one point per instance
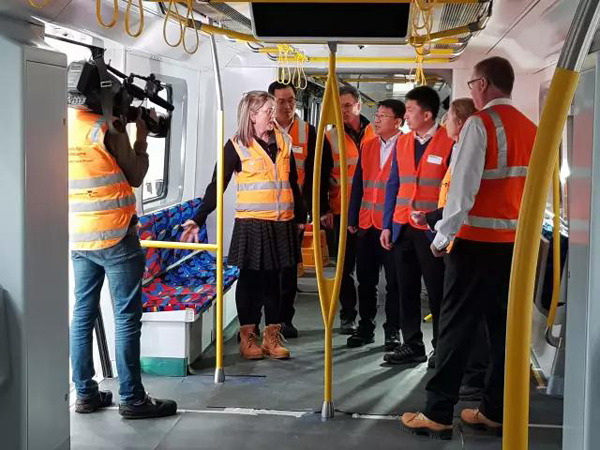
(206, 55)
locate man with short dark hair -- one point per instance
(357, 129)
(481, 216)
(366, 221)
(421, 160)
(304, 138)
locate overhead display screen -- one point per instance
(340, 22)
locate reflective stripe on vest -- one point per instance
(495, 212)
(419, 188)
(352, 153)
(374, 178)
(101, 201)
(263, 187)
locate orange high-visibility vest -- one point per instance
(420, 186)
(352, 153)
(510, 137)
(101, 200)
(299, 134)
(374, 181)
(263, 186)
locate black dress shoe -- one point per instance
(360, 337)
(405, 354)
(470, 393)
(347, 326)
(431, 361)
(392, 340)
(148, 408)
(102, 400)
(288, 330)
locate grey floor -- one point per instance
(268, 404)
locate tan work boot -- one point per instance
(475, 418)
(418, 423)
(271, 345)
(249, 348)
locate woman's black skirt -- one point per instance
(264, 244)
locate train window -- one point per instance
(156, 183)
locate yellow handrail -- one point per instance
(147, 243)
(367, 59)
(115, 16)
(522, 278)
(329, 289)
(128, 19)
(441, 2)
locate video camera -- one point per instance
(90, 91)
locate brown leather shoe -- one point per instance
(271, 345)
(249, 348)
(417, 423)
(475, 419)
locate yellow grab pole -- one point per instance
(147, 243)
(522, 278)
(376, 60)
(329, 289)
(219, 371)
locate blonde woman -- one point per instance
(458, 113)
(269, 211)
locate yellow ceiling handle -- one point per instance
(128, 19)
(39, 5)
(115, 16)
(189, 17)
(303, 80)
(284, 75)
(172, 12)
(421, 27)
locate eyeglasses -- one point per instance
(469, 83)
(383, 116)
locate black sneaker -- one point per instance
(360, 337)
(149, 408)
(431, 360)
(102, 400)
(392, 340)
(288, 330)
(347, 326)
(470, 393)
(405, 354)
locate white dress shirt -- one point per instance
(467, 169)
(428, 135)
(385, 149)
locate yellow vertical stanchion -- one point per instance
(219, 371)
(329, 289)
(522, 279)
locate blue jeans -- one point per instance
(123, 264)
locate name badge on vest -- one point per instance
(297, 149)
(434, 159)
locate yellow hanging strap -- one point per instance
(128, 19)
(421, 27)
(115, 16)
(39, 5)
(172, 12)
(284, 74)
(189, 18)
(299, 78)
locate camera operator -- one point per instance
(103, 169)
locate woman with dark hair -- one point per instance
(269, 211)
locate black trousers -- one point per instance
(479, 358)
(289, 288)
(370, 258)
(348, 286)
(255, 289)
(475, 290)
(413, 259)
